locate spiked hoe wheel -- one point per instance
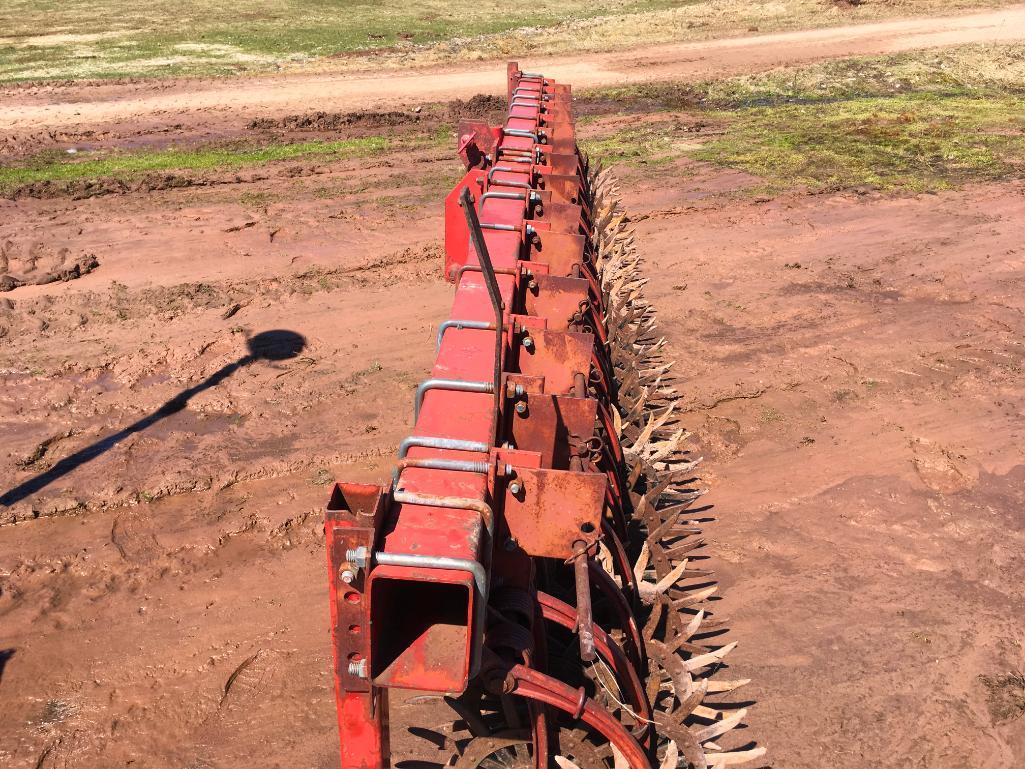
(536, 558)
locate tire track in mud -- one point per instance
(119, 305)
(223, 437)
(186, 691)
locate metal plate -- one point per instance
(554, 509)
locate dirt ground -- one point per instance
(852, 365)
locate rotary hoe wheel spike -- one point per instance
(538, 560)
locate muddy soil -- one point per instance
(854, 369)
(165, 458)
(853, 373)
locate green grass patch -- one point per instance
(916, 122)
(67, 39)
(916, 143)
(647, 146)
(59, 167)
(974, 70)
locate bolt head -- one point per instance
(515, 488)
(527, 341)
(347, 576)
(521, 408)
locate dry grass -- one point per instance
(959, 71)
(695, 20)
(1005, 696)
(74, 39)
(55, 167)
(71, 39)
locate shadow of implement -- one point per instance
(267, 345)
(5, 657)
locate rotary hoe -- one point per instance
(535, 561)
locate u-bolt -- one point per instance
(504, 183)
(438, 463)
(537, 137)
(516, 94)
(499, 169)
(458, 273)
(474, 325)
(454, 503)
(529, 229)
(437, 442)
(458, 385)
(532, 196)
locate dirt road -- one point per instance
(62, 106)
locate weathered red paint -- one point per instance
(419, 627)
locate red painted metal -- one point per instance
(412, 567)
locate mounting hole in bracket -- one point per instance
(587, 527)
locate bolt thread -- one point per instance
(357, 557)
(358, 668)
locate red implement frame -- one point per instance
(498, 472)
